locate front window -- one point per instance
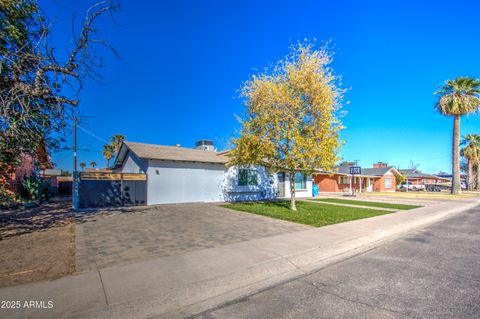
(247, 177)
(343, 180)
(300, 181)
(388, 182)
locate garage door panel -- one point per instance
(170, 182)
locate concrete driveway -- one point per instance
(107, 238)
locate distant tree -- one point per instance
(477, 169)
(65, 173)
(108, 153)
(93, 164)
(117, 141)
(412, 165)
(83, 165)
(400, 178)
(36, 79)
(290, 122)
(456, 98)
(471, 152)
(347, 164)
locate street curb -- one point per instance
(214, 291)
(302, 262)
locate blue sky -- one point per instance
(182, 63)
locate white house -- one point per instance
(180, 175)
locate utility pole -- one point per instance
(75, 173)
(74, 143)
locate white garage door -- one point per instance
(183, 182)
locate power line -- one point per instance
(69, 148)
(90, 133)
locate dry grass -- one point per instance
(40, 255)
(36, 243)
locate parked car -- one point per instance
(443, 187)
(411, 188)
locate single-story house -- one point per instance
(177, 174)
(379, 178)
(417, 177)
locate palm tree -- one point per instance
(471, 152)
(117, 141)
(456, 98)
(478, 176)
(108, 153)
(93, 164)
(82, 165)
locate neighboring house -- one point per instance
(13, 182)
(38, 162)
(379, 178)
(417, 177)
(50, 175)
(179, 175)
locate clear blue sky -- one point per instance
(182, 63)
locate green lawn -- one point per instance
(312, 214)
(366, 203)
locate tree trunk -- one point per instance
(293, 206)
(470, 175)
(478, 177)
(108, 162)
(456, 186)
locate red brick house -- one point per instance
(28, 163)
(379, 178)
(417, 177)
(13, 181)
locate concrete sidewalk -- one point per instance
(183, 285)
(350, 205)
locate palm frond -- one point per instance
(459, 96)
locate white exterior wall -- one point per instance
(184, 182)
(266, 188)
(298, 193)
(132, 164)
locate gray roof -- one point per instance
(415, 173)
(367, 171)
(173, 153)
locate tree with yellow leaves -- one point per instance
(291, 121)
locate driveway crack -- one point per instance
(103, 286)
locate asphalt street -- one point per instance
(431, 273)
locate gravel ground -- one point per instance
(39, 255)
(36, 244)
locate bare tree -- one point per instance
(35, 79)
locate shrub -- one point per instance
(32, 185)
(6, 197)
(45, 191)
